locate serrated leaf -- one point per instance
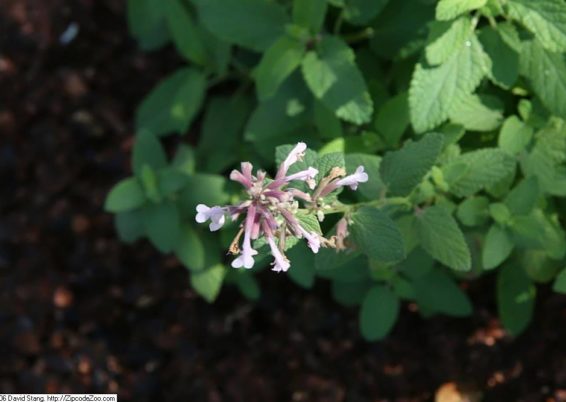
(446, 38)
(434, 90)
(185, 32)
(173, 103)
(253, 24)
(441, 237)
(125, 196)
(326, 122)
(377, 235)
(515, 298)
(208, 283)
(546, 71)
(359, 12)
(560, 282)
(310, 13)
(473, 171)
(162, 225)
(302, 269)
(514, 136)
(392, 119)
(504, 58)
(436, 292)
(402, 170)
(327, 162)
(310, 159)
(545, 18)
(129, 225)
(476, 113)
(378, 313)
(546, 160)
(473, 211)
(277, 63)
(333, 77)
(147, 151)
(190, 249)
(497, 247)
(221, 131)
(449, 9)
(523, 198)
(308, 221)
(146, 23)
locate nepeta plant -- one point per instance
(456, 109)
(272, 210)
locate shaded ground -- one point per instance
(81, 312)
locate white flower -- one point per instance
(281, 263)
(216, 215)
(312, 238)
(295, 155)
(354, 179)
(304, 175)
(246, 258)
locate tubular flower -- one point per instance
(271, 208)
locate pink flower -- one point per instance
(246, 258)
(312, 238)
(304, 175)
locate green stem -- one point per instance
(338, 23)
(380, 203)
(359, 36)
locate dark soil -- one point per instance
(82, 312)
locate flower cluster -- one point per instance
(271, 210)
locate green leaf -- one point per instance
(146, 22)
(302, 270)
(208, 283)
(308, 221)
(150, 184)
(328, 125)
(497, 247)
(473, 211)
(473, 171)
(359, 12)
(515, 298)
(333, 77)
(253, 24)
(441, 237)
(377, 235)
(125, 196)
(374, 187)
(446, 38)
(309, 159)
(546, 71)
(545, 18)
(504, 58)
(435, 90)
(392, 119)
(402, 170)
(221, 132)
(247, 284)
(190, 249)
(185, 32)
(277, 63)
(514, 136)
(559, 285)
(205, 189)
(350, 293)
(523, 198)
(310, 13)
(438, 293)
(378, 313)
(539, 232)
(274, 121)
(172, 105)
(546, 160)
(449, 9)
(129, 225)
(401, 28)
(329, 161)
(162, 225)
(147, 151)
(476, 113)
